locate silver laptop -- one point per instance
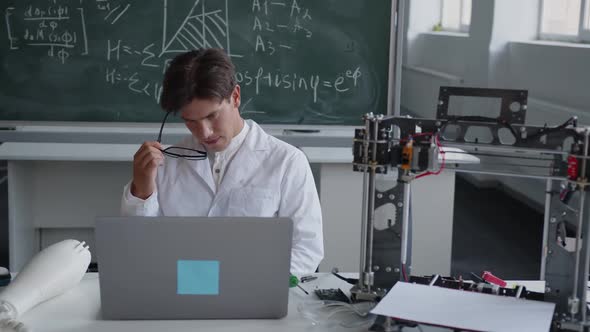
(193, 267)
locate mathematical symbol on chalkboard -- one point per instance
(11, 38)
(327, 84)
(127, 49)
(62, 55)
(306, 16)
(114, 49)
(112, 75)
(201, 27)
(349, 47)
(103, 6)
(145, 88)
(121, 12)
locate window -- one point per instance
(565, 20)
(455, 15)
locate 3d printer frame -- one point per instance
(505, 146)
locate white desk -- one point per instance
(79, 310)
(56, 190)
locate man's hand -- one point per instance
(145, 168)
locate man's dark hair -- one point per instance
(203, 73)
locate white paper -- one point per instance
(452, 308)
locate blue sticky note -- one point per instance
(196, 277)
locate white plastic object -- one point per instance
(11, 325)
(51, 272)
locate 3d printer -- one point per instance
(414, 148)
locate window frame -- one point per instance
(463, 28)
(583, 35)
(585, 22)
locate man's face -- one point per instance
(212, 122)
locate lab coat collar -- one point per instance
(249, 155)
(257, 139)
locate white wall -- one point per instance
(439, 58)
(420, 16)
(553, 73)
(498, 52)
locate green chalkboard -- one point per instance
(298, 61)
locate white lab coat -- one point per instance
(267, 177)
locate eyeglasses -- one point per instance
(178, 151)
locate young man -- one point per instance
(247, 172)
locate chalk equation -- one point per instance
(207, 26)
(262, 79)
(277, 22)
(59, 28)
(134, 83)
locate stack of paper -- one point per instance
(458, 309)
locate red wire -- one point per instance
(404, 272)
(442, 165)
